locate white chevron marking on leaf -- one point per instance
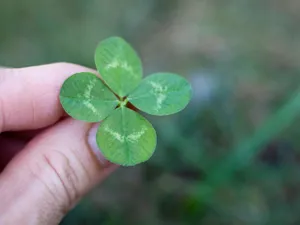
(159, 91)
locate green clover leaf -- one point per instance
(85, 97)
(119, 65)
(124, 137)
(161, 94)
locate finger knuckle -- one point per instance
(56, 173)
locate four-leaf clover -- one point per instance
(124, 137)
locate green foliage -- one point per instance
(161, 94)
(85, 97)
(241, 56)
(119, 65)
(124, 137)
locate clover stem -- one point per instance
(123, 102)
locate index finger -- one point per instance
(29, 97)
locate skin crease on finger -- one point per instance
(51, 175)
(57, 166)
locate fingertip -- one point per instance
(94, 146)
(29, 97)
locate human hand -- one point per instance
(48, 161)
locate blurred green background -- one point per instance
(232, 156)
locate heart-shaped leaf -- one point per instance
(161, 94)
(119, 65)
(126, 138)
(85, 97)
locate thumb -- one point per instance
(51, 174)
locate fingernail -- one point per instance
(94, 146)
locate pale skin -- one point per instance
(48, 161)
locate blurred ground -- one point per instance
(232, 156)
